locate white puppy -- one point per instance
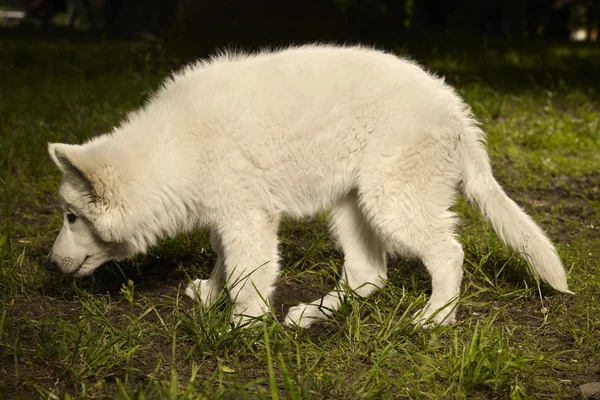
(239, 141)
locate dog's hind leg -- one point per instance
(250, 260)
(364, 264)
(206, 291)
(427, 234)
(407, 203)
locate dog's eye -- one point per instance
(71, 217)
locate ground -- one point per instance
(128, 331)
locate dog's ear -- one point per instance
(68, 158)
(63, 157)
(97, 183)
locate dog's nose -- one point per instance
(50, 264)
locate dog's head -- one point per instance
(92, 231)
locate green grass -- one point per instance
(127, 332)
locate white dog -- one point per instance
(239, 141)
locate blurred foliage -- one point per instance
(294, 20)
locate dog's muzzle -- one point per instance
(50, 264)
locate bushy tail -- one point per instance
(512, 224)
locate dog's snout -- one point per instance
(51, 265)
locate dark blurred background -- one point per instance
(249, 22)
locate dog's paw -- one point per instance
(429, 316)
(303, 316)
(203, 291)
(247, 322)
(247, 313)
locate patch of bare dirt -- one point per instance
(568, 209)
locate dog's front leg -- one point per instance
(251, 262)
(207, 291)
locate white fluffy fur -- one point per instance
(239, 141)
